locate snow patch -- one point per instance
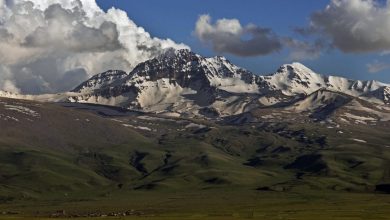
(196, 126)
(22, 109)
(383, 115)
(358, 118)
(158, 95)
(268, 116)
(137, 127)
(8, 118)
(268, 101)
(358, 140)
(149, 118)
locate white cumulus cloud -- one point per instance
(229, 36)
(355, 26)
(52, 45)
(302, 50)
(377, 66)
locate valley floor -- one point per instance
(212, 204)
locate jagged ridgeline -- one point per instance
(185, 83)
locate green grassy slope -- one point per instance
(74, 159)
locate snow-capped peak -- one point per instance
(300, 67)
(296, 78)
(297, 71)
(171, 53)
(293, 79)
(100, 80)
(188, 69)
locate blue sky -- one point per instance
(176, 19)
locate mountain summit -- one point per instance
(178, 81)
(185, 83)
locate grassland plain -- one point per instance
(94, 160)
(217, 204)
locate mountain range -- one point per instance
(184, 83)
(181, 83)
